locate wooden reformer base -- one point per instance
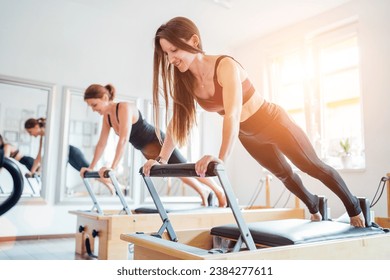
(340, 242)
(111, 225)
(195, 245)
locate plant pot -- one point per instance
(346, 160)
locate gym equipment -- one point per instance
(308, 240)
(188, 170)
(17, 178)
(385, 221)
(107, 226)
(107, 174)
(34, 182)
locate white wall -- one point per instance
(69, 44)
(375, 57)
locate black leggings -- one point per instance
(27, 161)
(152, 150)
(270, 135)
(76, 158)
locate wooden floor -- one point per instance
(41, 249)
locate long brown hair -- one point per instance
(30, 123)
(176, 85)
(98, 91)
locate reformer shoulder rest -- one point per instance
(295, 231)
(182, 170)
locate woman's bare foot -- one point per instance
(358, 220)
(222, 202)
(107, 183)
(316, 217)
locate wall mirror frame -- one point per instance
(81, 128)
(21, 99)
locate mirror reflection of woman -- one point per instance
(36, 128)
(127, 122)
(11, 151)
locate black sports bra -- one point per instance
(142, 133)
(116, 113)
(215, 103)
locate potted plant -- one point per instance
(346, 157)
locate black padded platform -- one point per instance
(295, 231)
(153, 210)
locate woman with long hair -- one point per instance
(218, 83)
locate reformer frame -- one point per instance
(385, 221)
(196, 244)
(188, 170)
(107, 174)
(107, 226)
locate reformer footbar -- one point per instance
(188, 170)
(107, 174)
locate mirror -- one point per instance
(21, 99)
(81, 129)
(173, 190)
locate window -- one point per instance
(319, 86)
(288, 85)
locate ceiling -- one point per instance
(222, 23)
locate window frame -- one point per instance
(308, 51)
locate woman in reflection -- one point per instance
(127, 122)
(36, 128)
(11, 151)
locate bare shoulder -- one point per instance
(229, 62)
(229, 66)
(130, 110)
(127, 107)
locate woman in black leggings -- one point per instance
(270, 135)
(36, 128)
(127, 122)
(218, 83)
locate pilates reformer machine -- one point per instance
(385, 221)
(288, 238)
(31, 182)
(34, 182)
(106, 226)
